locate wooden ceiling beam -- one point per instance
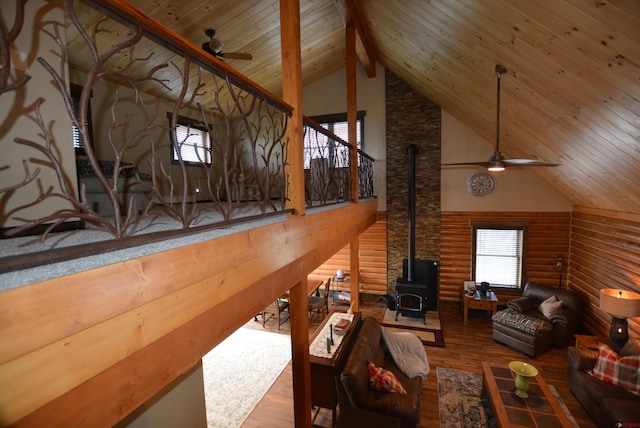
(348, 10)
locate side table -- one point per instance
(488, 303)
(587, 342)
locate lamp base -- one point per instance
(618, 332)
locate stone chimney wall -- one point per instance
(411, 119)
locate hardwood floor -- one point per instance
(466, 346)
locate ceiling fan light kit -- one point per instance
(497, 162)
(215, 46)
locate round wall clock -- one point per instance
(480, 184)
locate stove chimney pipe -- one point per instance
(412, 152)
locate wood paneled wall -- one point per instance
(605, 253)
(547, 238)
(88, 348)
(373, 259)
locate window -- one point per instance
(498, 255)
(336, 123)
(192, 140)
(78, 142)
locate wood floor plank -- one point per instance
(466, 346)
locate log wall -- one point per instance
(547, 238)
(605, 253)
(373, 260)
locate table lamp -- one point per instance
(620, 304)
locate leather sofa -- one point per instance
(607, 404)
(524, 328)
(353, 382)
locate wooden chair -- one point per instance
(320, 303)
(275, 310)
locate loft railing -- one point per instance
(326, 166)
(141, 79)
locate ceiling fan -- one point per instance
(215, 46)
(497, 162)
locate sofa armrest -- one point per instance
(565, 316)
(581, 360)
(402, 406)
(522, 304)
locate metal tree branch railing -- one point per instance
(242, 122)
(245, 176)
(326, 163)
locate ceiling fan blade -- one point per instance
(236, 55)
(485, 164)
(527, 162)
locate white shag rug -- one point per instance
(239, 371)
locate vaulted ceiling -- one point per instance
(571, 94)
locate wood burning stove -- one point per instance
(417, 290)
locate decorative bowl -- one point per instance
(523, 372)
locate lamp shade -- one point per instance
(620, 303)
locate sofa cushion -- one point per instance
(632, 347)
(520, 321)
(383, 380)
(549, 306)
(620, 371)
(621, 410)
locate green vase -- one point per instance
(523, 372)
(522, 386)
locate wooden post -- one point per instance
(292, 94)
(352, 118)
(299, 318)
(352, 107)
(298, 304)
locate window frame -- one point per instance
(328, 121)
(333, 118)
(183, 121)
(523, 227)
(75, 92)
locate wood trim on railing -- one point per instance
(99, 343)
(123, 11)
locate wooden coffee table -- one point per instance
(540, 409)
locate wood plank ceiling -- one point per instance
(571, 94)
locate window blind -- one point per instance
(499, 256)
(194, 144)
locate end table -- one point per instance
(488, 303)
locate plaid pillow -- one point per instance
(383, 380)
(623, 372)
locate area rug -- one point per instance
(430, 334)
(462, 404)
(239, 371)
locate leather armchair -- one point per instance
(524, 328)
(566, 320)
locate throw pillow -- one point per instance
(549, 306)
(383, 380)
(620, 371)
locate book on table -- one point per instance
(342, 326)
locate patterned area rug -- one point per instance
(460, 400)
(430, 334)
(239, 371)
